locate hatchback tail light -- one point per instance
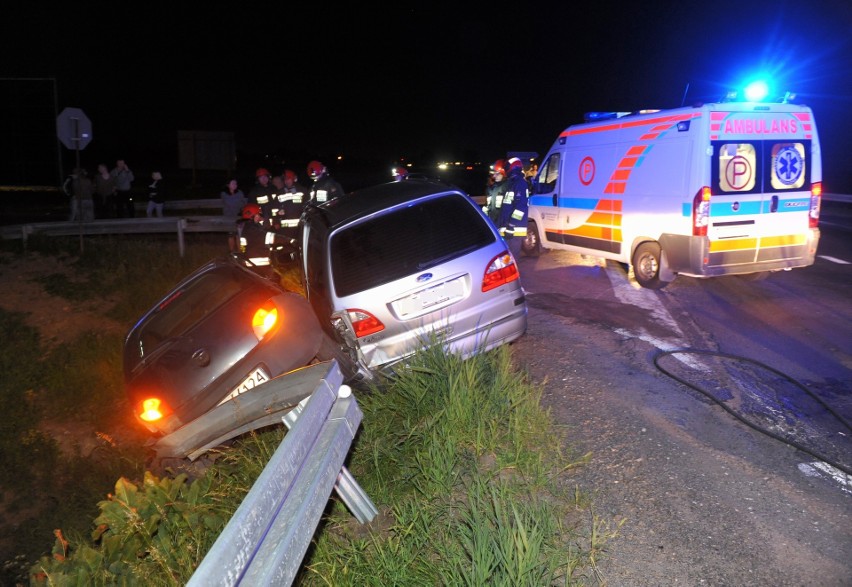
(701, 212)
(816, 197)
(501, 270)
(152, 410)
(264, 320)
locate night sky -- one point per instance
(455, 80)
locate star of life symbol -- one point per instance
(788, 165)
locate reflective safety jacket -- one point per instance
(494, 195)
(514, 211)
(324, 189)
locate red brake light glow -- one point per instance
(701, 212)
(263, 321)
(816, 197)
(151, 410)
(500, 270)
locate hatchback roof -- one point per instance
(366, 201)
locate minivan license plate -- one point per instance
(255, 378)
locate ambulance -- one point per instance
(728, 188)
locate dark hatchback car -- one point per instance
(395, 267)
(220, 332)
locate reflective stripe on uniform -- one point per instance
(321, 195)
(262, 200)
(290, 223)
(262, 261)
(270, 238)
(296, 198)
(517, 215)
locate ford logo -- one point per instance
(424, 277)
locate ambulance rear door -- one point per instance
(761, 182)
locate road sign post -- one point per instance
(74, 130)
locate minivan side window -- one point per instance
(547, 175)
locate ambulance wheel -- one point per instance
(646, 265)
(531, 247)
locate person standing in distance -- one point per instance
(104, 193)
(325, 187)
(513, 213)
(123, 178)
(233, 201)
(156, 197)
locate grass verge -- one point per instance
(469, 473)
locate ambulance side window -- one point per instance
(788, 166)
(736, 167)
(548, 173)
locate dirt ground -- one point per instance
(58, 321)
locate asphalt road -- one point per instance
(705, 498)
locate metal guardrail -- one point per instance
(168, 224)
(266, 539)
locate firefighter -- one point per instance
(325, 187)
(256, 240)
(290, 201)
(513, 212)
(262, 191)
(495, 191)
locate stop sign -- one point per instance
(74, 128)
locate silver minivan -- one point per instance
(395, 267)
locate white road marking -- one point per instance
(628, 292)
(834, 260)
(818, 468)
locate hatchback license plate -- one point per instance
(255, 378)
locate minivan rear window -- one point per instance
(404, 241)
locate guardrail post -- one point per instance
(348, 490)
(181, 224)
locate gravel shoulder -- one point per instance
(697, 510)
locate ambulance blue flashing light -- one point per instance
(595, 116)
(756, 91)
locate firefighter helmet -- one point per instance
(261, 172)
(499, 167)
(290, 175)
(315, 170)
(250, 211)
(515, 163)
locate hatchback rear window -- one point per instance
(189, 306)
(404, 241)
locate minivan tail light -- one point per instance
(364, 323)
(701, 212)
(501, 270)
(816, 198)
